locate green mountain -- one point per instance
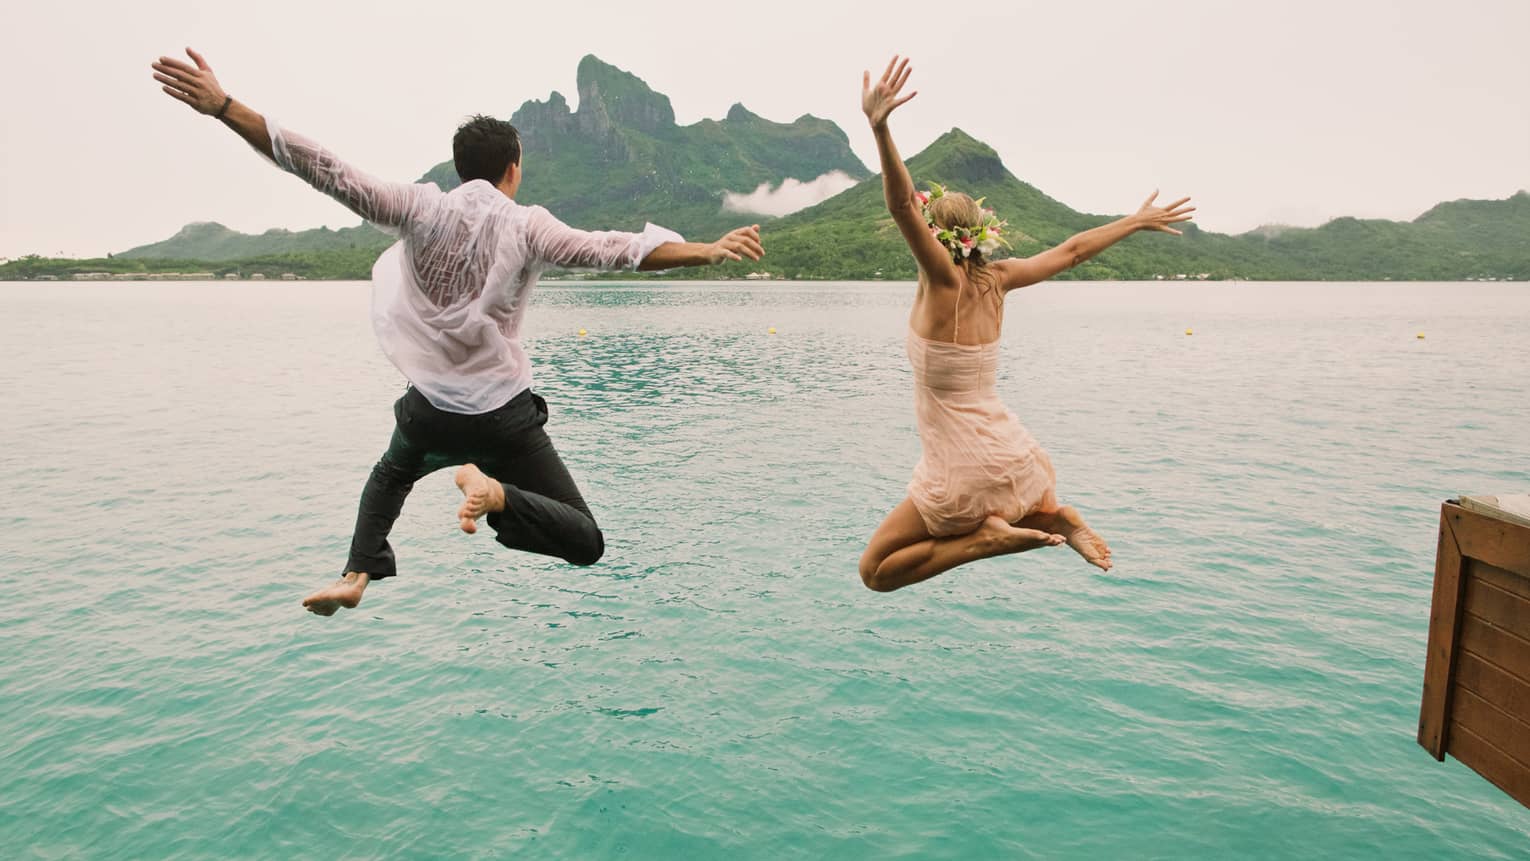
(1455, 240)
(618, 161)
(621, 160)
(850, 236)
(212, 242)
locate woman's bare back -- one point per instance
(969, 311)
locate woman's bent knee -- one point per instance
(870, 577)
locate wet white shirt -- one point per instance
(448, 297)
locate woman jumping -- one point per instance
(984, 486)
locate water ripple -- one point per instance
(1244, 684)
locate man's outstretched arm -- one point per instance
(736, 245)
(555, 244)
(387, 204)
(199, 88)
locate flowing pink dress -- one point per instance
(978, 458)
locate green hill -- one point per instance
(621, 160)
(618, 161)
(850, 236)
(1457, 240)
(212, 242)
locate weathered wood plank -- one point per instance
(1444, 623)
(1493, 725)
(1492, 683)
(1496, 542)
(1490, 603)
(1490, 762)
(1508, 581)
(1495, 645)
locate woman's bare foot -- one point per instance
(1091, 546)
(1081, 538)
(346, 592)
(481, 495)
(995, 537)
(1070, 524)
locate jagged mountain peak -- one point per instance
(593, 69)
(740, 114)
(612, 96)
(1457, 209)
(203, 228)
(957, 157)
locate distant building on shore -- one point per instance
(137, 276)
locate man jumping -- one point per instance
(447, 303)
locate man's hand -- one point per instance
(881, 100)
(197, 86)
(736, 245)
(1150, 217)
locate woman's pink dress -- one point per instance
(978, 459)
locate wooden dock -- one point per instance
(1476, 703)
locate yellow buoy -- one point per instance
(582, 333)
(772, 330)
(1421, 336)
(1189, 331)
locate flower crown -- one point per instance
(984, 238)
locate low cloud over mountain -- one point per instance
(790, 196)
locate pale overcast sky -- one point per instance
(1291, 112)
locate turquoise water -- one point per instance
(179, 466)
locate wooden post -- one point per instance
(1444, 632)
(1476, 703)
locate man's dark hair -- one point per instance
(484, 148)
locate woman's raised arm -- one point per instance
(897, 186)
(1023, 272)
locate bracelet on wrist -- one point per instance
(227, 100)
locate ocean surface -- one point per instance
(179, 466)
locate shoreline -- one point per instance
(670, 282)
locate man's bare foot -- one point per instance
(481, 495)
(346, 592)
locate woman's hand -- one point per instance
(736, 245)
(1151, 217)
(197, 87)
(881, 100)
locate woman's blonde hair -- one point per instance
(955, 209)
